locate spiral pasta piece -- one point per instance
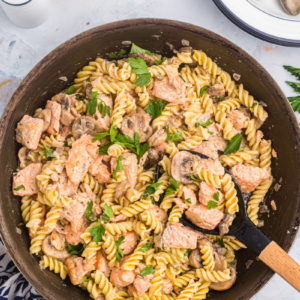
(207, 257)
(156, 282)
(166, 165)
(54, 265)
(25, 207)
(150, 220)
(110, 248)
(213, 276)
(183, 280)
(265, 155)
(227, 81)
(207, 176)
(228, 104)
(147, 176)
(228, 130)
(189, 291)
(36, 214)
(175, 214)
(237, 157)
(251, 134)
(52, 218)
(202, 291)
(231, 200)
(207, 63)
(104, 285)
(115, 150)
(136, 208)
(118, 228)
(172, 150)
(167, 202)
(91, 249)
(162, 120)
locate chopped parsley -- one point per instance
(118, 168)
(234, 144)
(174, 186)
(187, 252)
(77, 249)
(112, 55)
(97, 232)
(147, 271)
(139, 66)
(88, 211)
(221, 242)
(146, 247)
(155, 108)
(108, 213)
(48, 152)
(79, 97)
(204, 124)
(19, 187)
(151, 189)
(189, 200)
(159, 62)
(104, 109)
(86, 279)
(214, 204)
(294, 71)
(92, 105)
(137, 49)
(203, 90)
(70, 90)
(99, 136)
(173, 137)
(193, 177)
(119, 252)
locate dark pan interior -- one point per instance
(43, 82)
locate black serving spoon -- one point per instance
(245, 231)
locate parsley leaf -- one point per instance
(159, 62)
(112, 55)
(216, 196)
(204, 124)
(189, 200)
(108, 213)
(155, 108)
(295, 103)
(122, 52)
(253, 105)
(19, 187)
(234, 144)
(79, 97)
(97, 232)
(78, 249)
(137, 49)
(99, 136)
(48, 151)
(195, 178)
(221, 242)
(103, 109)
(86, 279)
(70, 90)
(139, 66)
(119, 252)
(293, 71)
(210, 132)
(294, 85)
(219, 98)
(203, 90)
(147, 271)
(137, 142)
(146, 247)
(143, 79)
(103, 149)
(113, 131)
(187, 252)
(88, 211)
(174, 185)
(124, 139)
(151, 189)
(212, 204)
(92, 105)
(118, 168)
(143, 150)
(173, 137)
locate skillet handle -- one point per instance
(281, 263)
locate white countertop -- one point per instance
(21, 49)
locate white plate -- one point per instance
(264, 19)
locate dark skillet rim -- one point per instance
(253, 31)
(50, 58)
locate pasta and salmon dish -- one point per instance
(95, 210)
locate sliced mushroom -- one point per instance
(222, 286)
(22, 154)
(45, 115)
(195, 258)
(217, 90)
(51, 251)
(292, 7)
(66, 118)
(64, 100)
(175, 121)
(85, 125)
(157, 138)
(153, 157)
(220, 262)
(57, 240)
(224, 224)
(88, 91)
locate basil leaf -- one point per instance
(48, 152)
(159, 62)
(77, 249)
(155, 108)
(195, 178)
(137, 49)
(143, 79)
(221, 242)
(118, 168)
(294, 85)
(97, 232)
(187, 252)
(147, 271)
(189, 200)
(234, 144)
(79, 97)
(88, 211)
(99, 136)
(19, 187)
(146, 247)
(103, 149)
(203, 90)
(204, 124)
(151, 189)
(295, 103)
(173, 137)
(119, 252)
(112, 55)
(212, 204)
(92, 105)
(293, 71)
(70, 90)
(108, 212)
(216, 196)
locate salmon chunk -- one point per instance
(29, 131)
(213, 166)
(74, 238)
(208, 149)
(129, 243)
(206, 193)
(121, 278)
(178, 236)
(141, 283)
(248, 177)
(55, 109)
(102, 263)
(158, 213)
(167, 286)
(237, 118)
(27, 178)
(189, 199)
(99, 169)
(219, 142)
(215, 129)
(104, 122)
(65, 187)
(79, 159)
(203, 217)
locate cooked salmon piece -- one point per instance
(215, 129)
(73, 238)
(248, 177)
(29, 131)
(203, 217)
(167, 286)
(129, 243)
(55, 109)
(213, 166)
(189, 199)
(161, 148)
(217, 90)
(27, 178)
(65, 131)
(206, 193)
(207, 148)
(79, 159)
(93, 197)
(100, 170)
(141, 283)
(157, 138)
(65, 187)
(121, 278)
(178, 236)
(171, 88)
(158, 213)
(103, 100)
(102, 263)
(237, 118)
(75, 212)
(259, 136)
(118, 218)
(182, 167)
(219, 142)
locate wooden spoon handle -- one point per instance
(281, 263)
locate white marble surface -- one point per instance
(21, 49)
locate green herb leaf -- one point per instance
(159, 62)
(19, 187)
(137, 142)
(97, 232)
(86, 279)
(203, 90)
(70, 90)
(234, 144)
(253, 105)
(293, 71)
(48, 151)
(113, 131)
(174, 186)
(187, 252)
(195, 178)
(139, 66)
(189, 200)
(99, 136)
(118, 168)
(143, 149)
(119, 253)
(294, 85)
(221, 243)
(143, 79)
(173, 137)
(151, 189)
(103, 149)
(77, 249)
(88, 211)
(181, 77)
(104, 109)
(204, 124)
(152, 200)
(137, 49)
(122, 52)
(210, 132)
(112, 55)
(146, 247)
(124, 139)
(108, 213)
(92, 105)
(212, 204)
(295, 103)
(79, 97)
(147, 271)
(219, 98)
(155, 108)
(216, 196)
